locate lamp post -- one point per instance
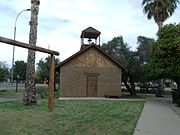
(14, 46)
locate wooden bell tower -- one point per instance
(90, 36)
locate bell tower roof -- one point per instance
(91, 35)
(90, 32)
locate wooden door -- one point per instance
(91, 86)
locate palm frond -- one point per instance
(160, 10)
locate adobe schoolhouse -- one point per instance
(91, 72)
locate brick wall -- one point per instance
(73, 81)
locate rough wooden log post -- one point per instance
(51, 84)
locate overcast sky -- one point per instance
(60, 23)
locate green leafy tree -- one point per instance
(121, 52)
(4, 71)
(165, 57)
(160, 10)
(42, 70)
(143, 53)
(20, 70)
(144, 48)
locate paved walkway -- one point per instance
(4, 100)
(158, 118)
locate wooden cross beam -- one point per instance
(28, 46)
(52, 65)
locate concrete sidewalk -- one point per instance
(158, 118)
(4, 100)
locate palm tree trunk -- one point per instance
(160, 24)
(30, 93)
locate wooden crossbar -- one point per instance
(28, 46)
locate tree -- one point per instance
(4, 71)
(165, 57)
(43, 69)
(160, 10)
(121, 52)
(20, 69)
(144, 48)
(30, 95)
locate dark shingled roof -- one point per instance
(90, 32)
(85, 49)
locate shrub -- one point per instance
(42, 90)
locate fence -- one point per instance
(11, 87)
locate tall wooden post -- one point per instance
(51, 84)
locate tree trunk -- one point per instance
(30, 93)
(126, 85)
(178, 85)
(17, 81)
(160, 90)
(177, 81)
(131, 88)
(160, 24)
(133, 91)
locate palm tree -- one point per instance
(160, 10)
(30, 93)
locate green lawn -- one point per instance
(70, 118)
(7, 94)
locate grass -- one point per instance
(70, 118)
(8, 94)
